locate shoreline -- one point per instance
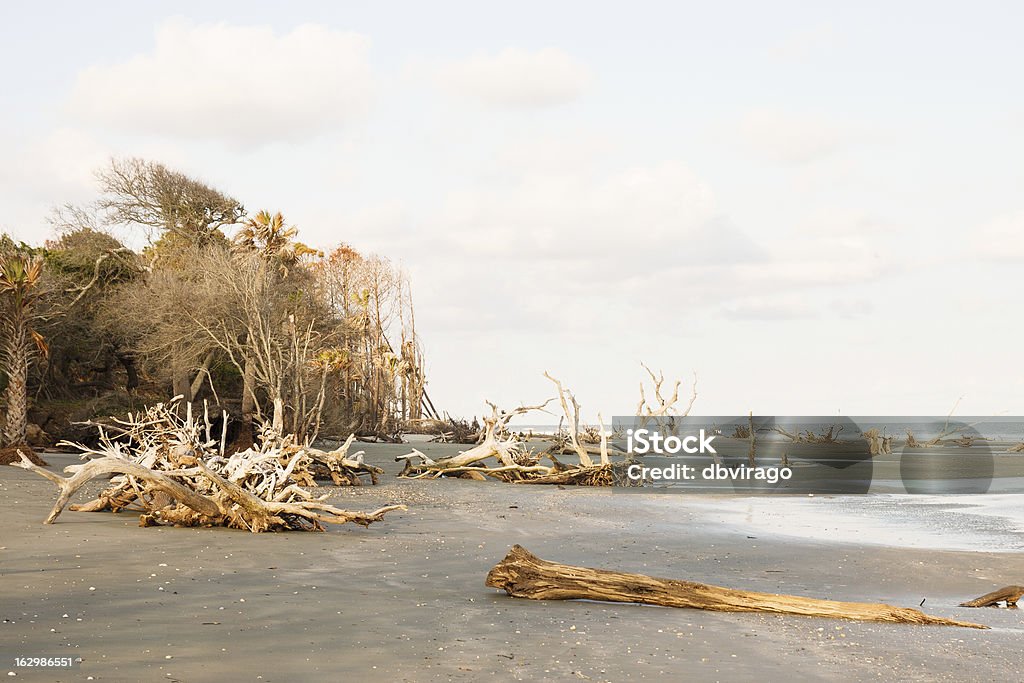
(404, 600)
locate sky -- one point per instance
(816, 208)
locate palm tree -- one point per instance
(269, 237)
(20, 276)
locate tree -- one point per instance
(268, 236)
(20, 276)
(84, 268)
(186, 214)
(382, 383)
(148, 194)
(265, 323)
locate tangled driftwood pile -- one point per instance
(174, 470)
(504, 455)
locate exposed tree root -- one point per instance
(523, 575)
(515, 462)
(612, 474)
(172, 471)
(228, 505)
(512, 456)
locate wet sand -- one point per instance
(404, 600)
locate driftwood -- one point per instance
(878, 441)
(830, 436)
(340, 467)
(1008, 594)
(665, 405)
(230, 505)
(173, 470)
(566, 398)
(514, 460)
(523, 575)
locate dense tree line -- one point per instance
(226, 309)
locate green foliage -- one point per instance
(198, 314)
(80, 255)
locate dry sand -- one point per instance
(404, 600)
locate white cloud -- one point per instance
(1002, 239)
(534, 245)
(761, 308)
(805, 43)
(42, 172)
(837, 221)
(788, 138)
(242, 84)
(568, 217)
(513, 77)
(58, 164)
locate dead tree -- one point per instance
(523, 575)
(878, 442)
(174, 471)
(665, 406)
(573, 418)
(516, 463)
(947, 432)
(340, 467)
(752, 447)
(513, 458)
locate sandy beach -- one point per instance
(405, 599)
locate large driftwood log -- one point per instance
(523, 575)
(1008, 594)
(86, 472)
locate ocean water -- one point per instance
(978, 523)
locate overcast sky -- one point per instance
(816, 207)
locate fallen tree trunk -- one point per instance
(86, 472)
(1008, 594)
(523, 575)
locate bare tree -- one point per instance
(144, 193)
(380, 366)
(267, 332)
